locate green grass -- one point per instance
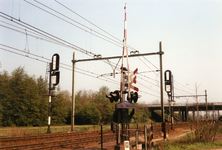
(31, 131)
(195, 146)
(202, 138)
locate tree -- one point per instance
(4, 96)
(61, 106)
(103, 104)
(88, 114)
(68, 104)
(19, 99)
(43, 94)
(24, 100)
(141, 113)
(96, 101)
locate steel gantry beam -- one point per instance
(116, 57)
(99, 57)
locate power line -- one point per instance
(148, 81)
(69, 69)
(26, 33)
(54, 37)
(44, 61)
(75, 22)
(39, 31)
(147, 87)
(130, 47)
(183, 86)
(62, 66)
(150, 63)
(37, 36)
(150, 94)
(141, 78)
(64, 16)
(87, 20)
(61, 44)
(59, 40)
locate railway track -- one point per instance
(45, 138)
(157, 129)
(54, 141)
(74, 139)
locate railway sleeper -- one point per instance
(40, 139)
(62, 142)
(72, 144)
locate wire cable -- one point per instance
(21, 23)
(60, 66)
(75, 22)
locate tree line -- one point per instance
(24, 102)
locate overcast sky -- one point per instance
(190, 31)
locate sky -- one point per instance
(190, 32)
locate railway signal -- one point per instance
(55, 62)
(54, 71)
(169, 87)
(53, 81)
(134, 96)
(168, 82)
(55, 78)
(113, 96)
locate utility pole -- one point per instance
(196, 88)
(161, 92)
(172, 102)
(206, 105)
(73, 93)
(161, 83)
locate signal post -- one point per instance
(53, 81)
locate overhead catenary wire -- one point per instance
(32, 35)
(150, 94)
(39, 31)
(150, 63)
(130, 47)
(117, 43)
(66, 45)
(28, 33)
(39, 36)
(44, 61)
(83, 73)
(87, 20)
(45, 6)
(147, 87)
(90, 30)
(181, 85)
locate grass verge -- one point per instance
(194, 146)
(202, 138)
(32, 131)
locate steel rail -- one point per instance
(77, 139)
